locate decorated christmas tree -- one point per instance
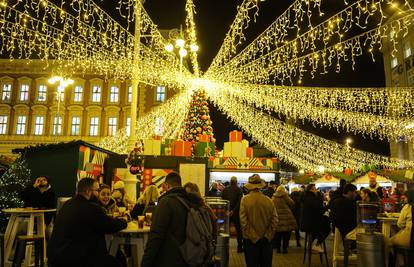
(12, 182)
(198, 120)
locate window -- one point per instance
(57, 125)
(160, 97)
(128, 126)
(112, 123)
(21, 125)
(6, 94)
(3, 124)
(394, 62)
(407, 49)
(41, 93)
(39, 124)
(96, 93)
(75, 130)
(93, 128)
(113, 94)
(159, 126)
(60, 91)
(78, 91)
(130, 94)
(24, 92)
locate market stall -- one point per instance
(363, 181)
(327, 182)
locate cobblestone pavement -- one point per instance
(292, 259)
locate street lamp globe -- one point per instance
(180, 43)
(183, 52)
(169, 47)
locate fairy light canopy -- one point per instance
(308, 39)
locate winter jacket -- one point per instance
(297, 207)
(78, 236)
(344, 214)
(234, 194)
(111, 207)
(258, 217)
(33, 197)
(282, 203)
(168, 230)
(312, 213)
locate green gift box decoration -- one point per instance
(205, 149)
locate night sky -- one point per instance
(213, 19)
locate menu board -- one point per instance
(194, 173)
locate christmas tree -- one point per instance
(198, 119)
(12, 182)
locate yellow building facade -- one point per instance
(89, 109)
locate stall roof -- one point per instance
(365, 180)
(62, 145)
(327, 179)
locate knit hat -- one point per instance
(119, 185)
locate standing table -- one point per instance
(134, 236)
(18, 216)
(387, 222)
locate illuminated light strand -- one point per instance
(275, 34)
(289, 101)
(346, 50)
(235, 33)
(300, 148)
(172, 113)
(273, 40)
(191, 32)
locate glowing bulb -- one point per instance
(321, 169)
(169, 47)
(348, 141)
(183, 52)
(301, 171)
(180, 43)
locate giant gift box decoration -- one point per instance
(235, 136)
(205, 149)
(152, 147)
(234, 149)
(181, 148)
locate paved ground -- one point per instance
(292, 259)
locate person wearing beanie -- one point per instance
(120, 196)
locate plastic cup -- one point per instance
(148, 218)
(141, 221)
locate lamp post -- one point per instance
(63, 83)
(181, 46)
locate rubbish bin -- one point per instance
(223, 249)
(371, 252)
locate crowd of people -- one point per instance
(264, 216)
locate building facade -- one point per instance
(399, 72)
(33, 111)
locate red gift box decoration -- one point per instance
(204, 138)
(249, 152)
(235, 136)
(181, 148)
(156, 137)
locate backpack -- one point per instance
(198, 247)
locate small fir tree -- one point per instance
(12, 183)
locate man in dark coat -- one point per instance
(337, 193)
(168, 228)
(234, 194)
(40, 195)
(344, 210)
(313, 220)
(78, 237)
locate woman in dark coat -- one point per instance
(314, 221)
(287, 222)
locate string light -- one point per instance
(300, 148)
(191, 32)
(383, 112)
